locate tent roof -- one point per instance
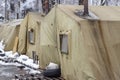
(104, 13)
(13, 22)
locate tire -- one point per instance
(52, 73)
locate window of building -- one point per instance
(31, 36)
(65, 42)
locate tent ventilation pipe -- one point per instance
(86, 11)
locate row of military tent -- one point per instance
(85, 49)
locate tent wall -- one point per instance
(45, 38)
(31, 21)
(111, 39)
(22, 48)
(34, 22)
(95, 47)
(74, 65)
(48, 40)
(8, 32)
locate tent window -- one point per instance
(31, 36)
(64, 43)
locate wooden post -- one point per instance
(36, 59)
(33, 56)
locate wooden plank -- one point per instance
(15, 44)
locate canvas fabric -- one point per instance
(8, 32)
(95, 44)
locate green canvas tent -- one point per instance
(31, 23)
(44, 38)
(48, 40)
(89, 49)
(86, 49)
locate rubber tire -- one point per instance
(52, 73)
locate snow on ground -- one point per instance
(26, 60)
(2, 46)
(4, 63)
(52, 66)
(31, 71)
(22, 58)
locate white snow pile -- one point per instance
(31, 71)
(11, 55)
(22, 58)
(52, 66)
(2, 46)
(4, 63)
(26, 60)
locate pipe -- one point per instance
(86, 11)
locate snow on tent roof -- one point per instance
(13, 22)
